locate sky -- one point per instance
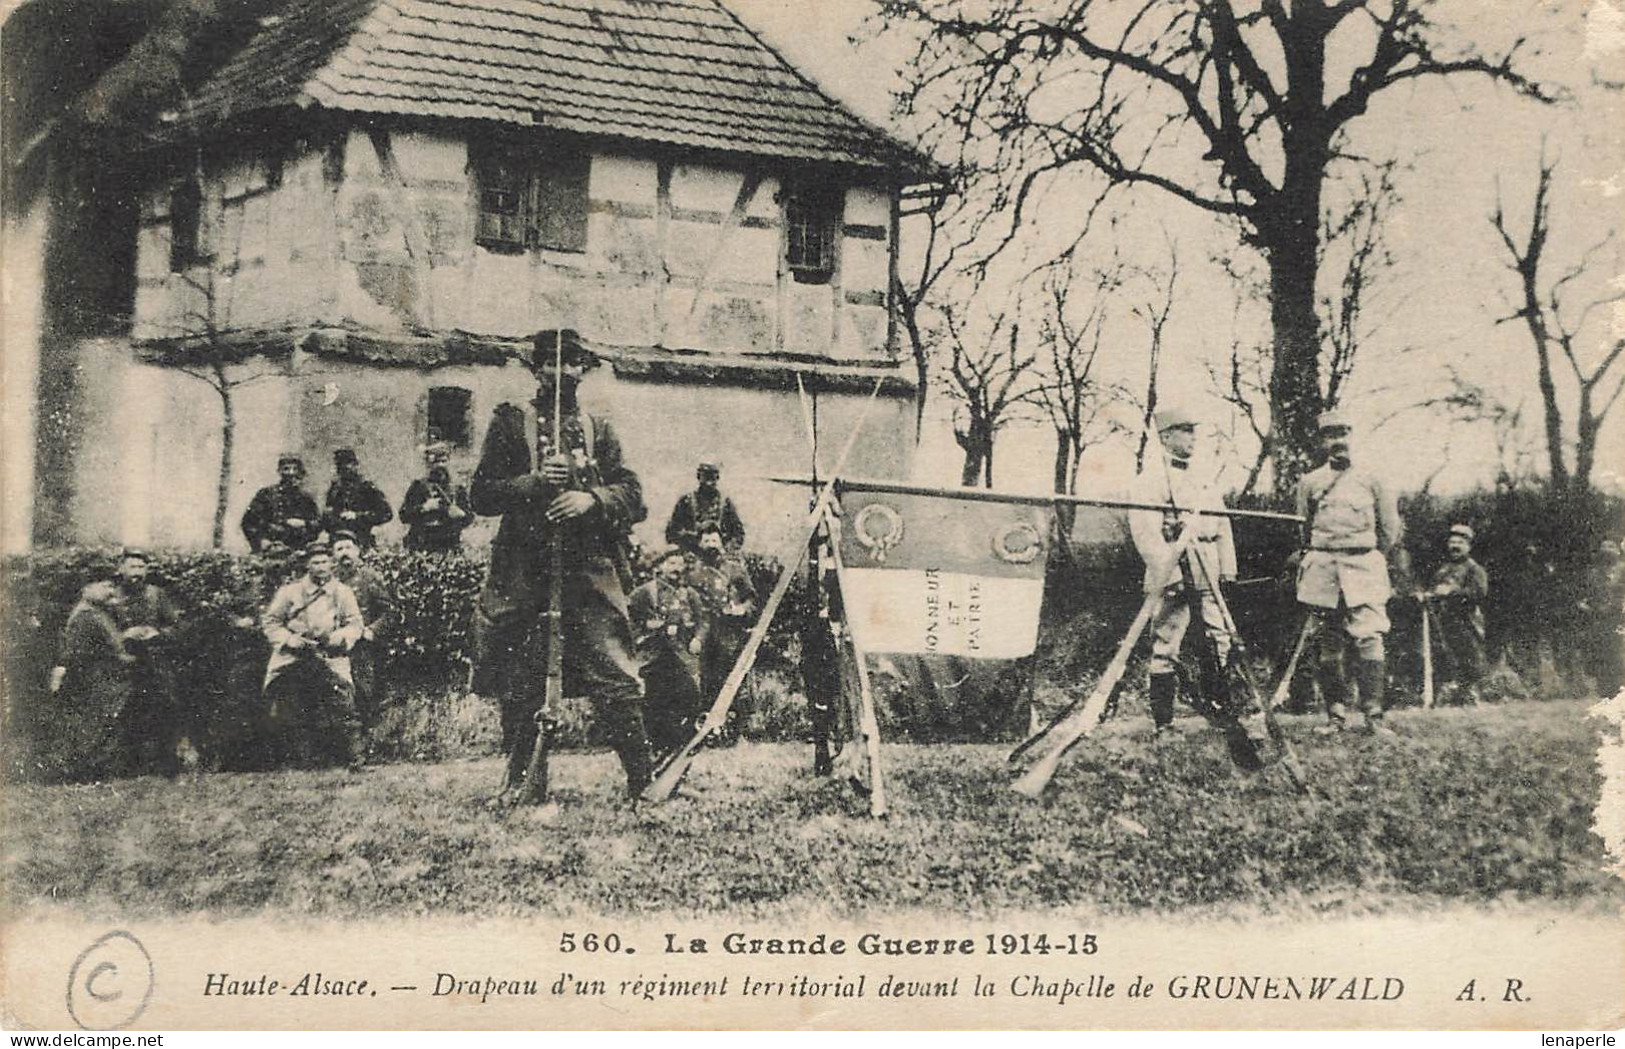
(1460, 141)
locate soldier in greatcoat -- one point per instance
(377, 613)
(436, 509)
(153, 722)
(587, 493)
(282, 517)
(354, 504)
(1351, 535)
(729, 599)
(705, 505)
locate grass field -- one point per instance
(1466, 805)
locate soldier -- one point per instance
(1351, 531)
(354, 504)
(152, 724)
(282, 517)
(1460, 585)
(91, 685)
(588, 493)
(1155, 534)
(705, 505)
(670, 625)
(312, 623)
(730, 605)
(435, 511)
(377, 613)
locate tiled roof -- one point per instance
(684, 72)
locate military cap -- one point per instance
(342, 535)
(344, 455)
(1333, 420)
(137, 552)
(437, 448)
(1463, 530)
(1174, 416)
(316, 548)
(567, 342)
(709, 466)
(290, 457)
(664, 554)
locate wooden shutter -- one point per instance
(561, 201)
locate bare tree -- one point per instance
(1065, 386)
(987, 384)
(1153, 313)
(1026, 95)
(937, 258)
(1556, 328)
(1352, 238)
(207, 355)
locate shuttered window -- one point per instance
(532, 197)
(812, 220)
(185, 226)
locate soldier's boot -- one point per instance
(632, 746)
(1334, 691)
(1163, 689)
(1371, 675)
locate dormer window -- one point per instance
(812, 220)
(531, 197)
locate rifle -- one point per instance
(678, 762)
(534, 789)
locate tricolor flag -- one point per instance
(940, 576)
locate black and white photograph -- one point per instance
(833, 514)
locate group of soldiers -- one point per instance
(651, 657)
(1343, 576)
(283, 518)
(115, 681)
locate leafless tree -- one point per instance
(1231, 110)
(936, 260)
(1153, 312)
(1556, 335)
(987, 383)
(1066, 387)
(206, 354)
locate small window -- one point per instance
(451, 415)
(812, 219)
(532, 198)
(185, 226)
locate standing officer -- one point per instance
(282, 517)
(1455, 599)
(705, 505)
(669, 622)
(354, 504)
(1155, 535)
(312, 623)
(1352, 532)
(586, 492)
(435, 510)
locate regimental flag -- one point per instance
(942, 576)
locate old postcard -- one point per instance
(876, 514)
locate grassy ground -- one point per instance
(1485, 805)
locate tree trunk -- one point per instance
(1551, 411)
(228, 440)
(1295, 373)
(1064, 459)
(1585, 444)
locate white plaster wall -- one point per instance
(22, 284)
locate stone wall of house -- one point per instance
(151, 439)
(377, 232)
